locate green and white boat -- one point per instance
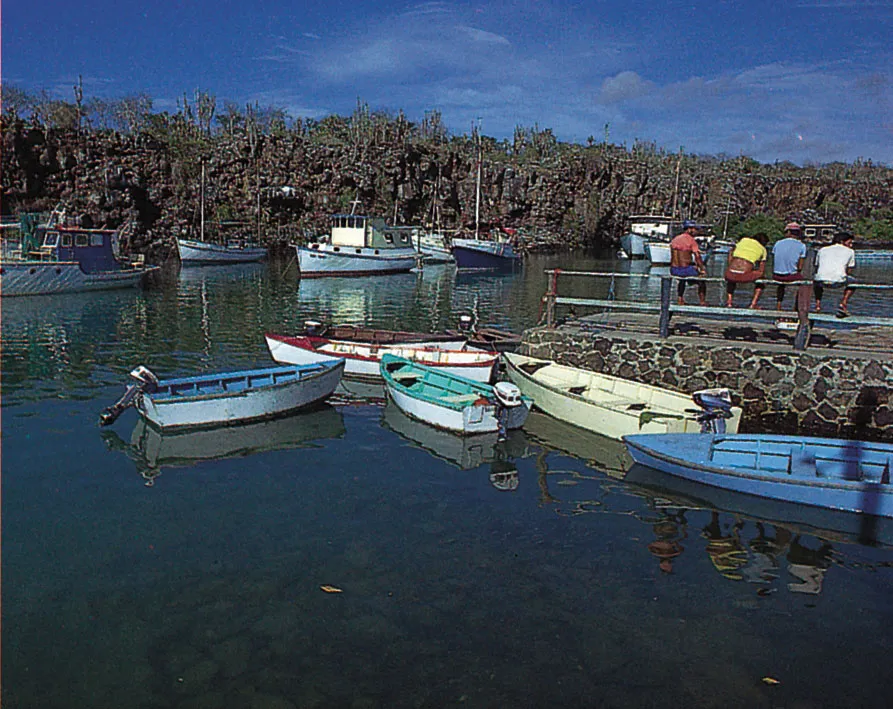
(450, 402)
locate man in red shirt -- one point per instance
(686, 261)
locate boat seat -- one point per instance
(406, 377)
(462, 398)
(578, 390)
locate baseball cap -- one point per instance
(792, 226)
(688, 223)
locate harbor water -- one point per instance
(351, 557)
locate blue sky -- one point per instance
(800, 80)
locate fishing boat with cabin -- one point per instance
(363, 359)
(359, 246)
(444, 400)
(61, 256)
(837, 474)
(613, 406)
(226, 398)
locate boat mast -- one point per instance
(202, 206)
(676, 186)
(725, 225)
(477, 192)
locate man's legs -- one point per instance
(819, 291)
(702, 292)
(730, 291)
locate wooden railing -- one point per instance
(666, 308)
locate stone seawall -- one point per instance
(823, 393)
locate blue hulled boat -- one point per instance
(482, 255)
(851, 476)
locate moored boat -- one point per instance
(58, 258)
(851, 476)
(197, 252)
(362, 358)
(358, 246)
(226, 398)
(485, 255)
(609, 405)
(451, 402)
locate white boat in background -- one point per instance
(434, 247)
(199, 252)
(645, 228)
(658, 252)
(608, 405)
(359, 246)
(363, 359)
(226, 398)
(452, 403)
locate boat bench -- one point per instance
(462, 398)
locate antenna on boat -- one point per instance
(202, 207)
(477, 194)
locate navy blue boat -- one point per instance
(852, 476)
(484, 255)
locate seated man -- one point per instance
(686, 261)
(788, 256)
(833, 266)
(747, 263)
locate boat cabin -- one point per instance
(822, 233)
(357, 231)
(93, 249)
(655, 226)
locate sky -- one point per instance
(808, 81)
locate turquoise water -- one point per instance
(141, 571)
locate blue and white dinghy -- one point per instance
(852, 476)
(450, 402)
(226, 398)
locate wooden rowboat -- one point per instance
(363, 359)
(450, 402)
(226, 398)
(851, 476)
(611, 406)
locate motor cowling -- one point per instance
(717, 407)
(507, 394)
(312, 327)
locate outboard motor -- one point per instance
(717, 407)
(508, 396)
(466, 323)
(144, 380)
(313, 327)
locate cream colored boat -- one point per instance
(607, 405)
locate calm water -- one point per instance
(186, 571)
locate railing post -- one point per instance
(666, 288)
(804, 301)
(551, 294)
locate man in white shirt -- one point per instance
(833, 265)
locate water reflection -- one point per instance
(151, 451)
(463, 452)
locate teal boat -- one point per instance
(451, 402)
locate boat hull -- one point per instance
(609, 406)
(633, 245)
(243, 397)
(462, 406)
(484, 255)
(658, 253)
(800, 476)
(44, 278)
(321, 260)
(362, 361)
(203, 253)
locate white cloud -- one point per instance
(624, 86)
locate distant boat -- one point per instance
(604, 404)
(200, 252)
(359, 246)
(226, 398)
(658, 252)
(483, 255)
(851, 476)
(645, 228)
(434, 247)
(363, 358)
(55, 257)
(450, 402)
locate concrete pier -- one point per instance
(840, 387)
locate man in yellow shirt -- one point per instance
(747, 263)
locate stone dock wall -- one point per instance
(821, 392)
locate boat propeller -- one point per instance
(717, 407)
(143, 380)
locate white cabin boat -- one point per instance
(359, 246)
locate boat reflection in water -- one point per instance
(463, 452)
(831, 525)
(152, 450)
(600, 452)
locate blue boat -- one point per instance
(227, 398)
(58, 258)
(851, 476)
(482, 255)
